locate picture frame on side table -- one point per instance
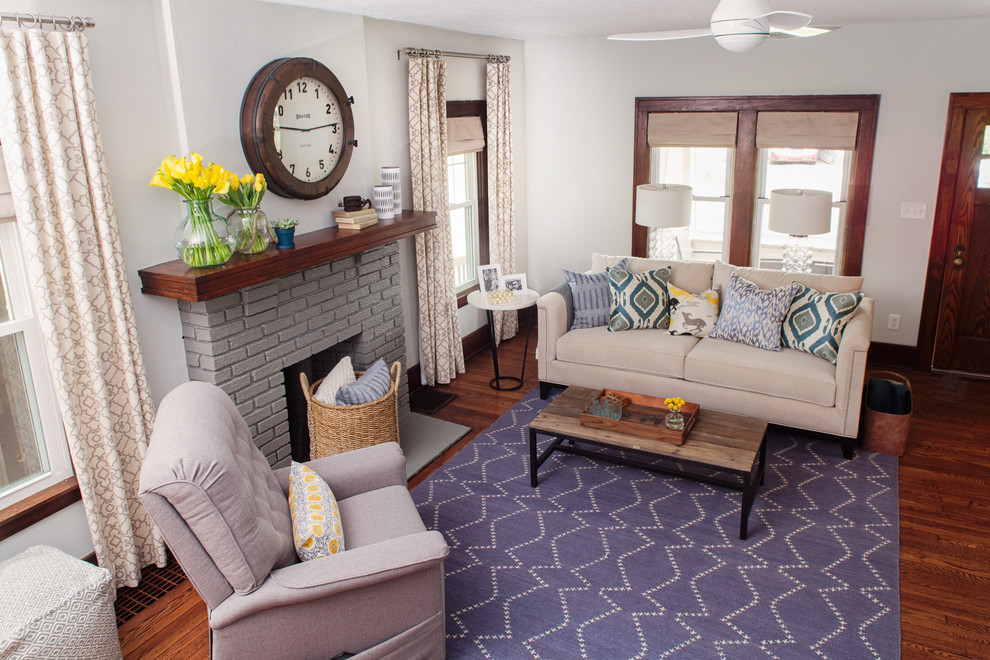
(514, 282)
(489, 277)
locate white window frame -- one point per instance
(48, 420)
(471, 230)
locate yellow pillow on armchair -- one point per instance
(316, 528)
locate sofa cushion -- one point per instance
(694, 313)
(693, 276)
(590, 296)
(639, 300)
(640, 351)
(789, 374)
(751, 315)
(221, 485)
(815, 321)
(770, 279)
(379, 515)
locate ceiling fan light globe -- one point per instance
(740, 43)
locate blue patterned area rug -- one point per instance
(607, 561)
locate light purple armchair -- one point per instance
(225, 515)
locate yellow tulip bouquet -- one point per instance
(251, 231)
(205, 242)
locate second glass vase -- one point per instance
(203, 238)
(252, 233)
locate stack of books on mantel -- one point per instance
(355, 220)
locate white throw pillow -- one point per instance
(342, 374)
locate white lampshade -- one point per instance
(800, 212)
(663, 205)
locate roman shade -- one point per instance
(691, 129)
(464, 135)
(807, 130)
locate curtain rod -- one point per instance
(67, 23)
(426, 52)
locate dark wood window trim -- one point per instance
(745, 165)
(476, 109)
(37, 507)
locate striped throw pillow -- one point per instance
(590, 297)
(371, 386)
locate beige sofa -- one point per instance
(790, 388)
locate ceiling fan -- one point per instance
(739, 25)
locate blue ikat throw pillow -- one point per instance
(751, 315)
(371, 386)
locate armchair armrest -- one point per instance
(319, 578)
(357, 471)
(555, 313)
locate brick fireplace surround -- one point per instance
(331, 292)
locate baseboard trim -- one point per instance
(892, 355)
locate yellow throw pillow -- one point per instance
(316, 528)
(694, 313)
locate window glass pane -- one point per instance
(823, 246)
(986, 141)
(456, 179)
(462, 180)
(22, 455)
(983, 180)
(5, 312)
(707, 171)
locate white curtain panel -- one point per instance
(501, 219)
(439, 330)
(68, 226)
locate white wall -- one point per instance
(388, 86)
(580, 111)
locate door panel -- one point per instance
(962, 340)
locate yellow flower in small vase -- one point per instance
(674, 419)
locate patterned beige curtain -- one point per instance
(61, 191)
(501, 220)
(439, 330)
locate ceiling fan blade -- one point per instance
(787, 20)
(663, 35)
(802, 32)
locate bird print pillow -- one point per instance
(693, 313)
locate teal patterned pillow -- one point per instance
(639, 300)
(815, 321)
(590, 297)
(751, 315)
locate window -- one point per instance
(33, 451)
(462, 179)
(983, 179)
(467, 178)
(734, 150)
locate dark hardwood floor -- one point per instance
(944, 481)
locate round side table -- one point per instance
(523, 300)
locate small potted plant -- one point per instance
(285, 229)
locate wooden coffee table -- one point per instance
(732, 444)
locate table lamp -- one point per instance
(661, 207)
(799, 213)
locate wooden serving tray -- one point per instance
(643, 417)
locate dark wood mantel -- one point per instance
(174, 279)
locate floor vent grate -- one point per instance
(428, 400)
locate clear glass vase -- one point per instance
(252, 233)
(674, 420)
(203, 238)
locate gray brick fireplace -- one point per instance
(243, 340)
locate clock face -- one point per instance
(308, 129)
(297, 127)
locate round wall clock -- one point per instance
(297, 127)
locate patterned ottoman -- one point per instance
(56, 606)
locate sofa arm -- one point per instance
(320, 578)
(357, 471)
(850, 367)
(555, 314)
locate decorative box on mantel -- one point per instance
(251, 325)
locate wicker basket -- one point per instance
(336, 429)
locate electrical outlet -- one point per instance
(894, 322)
(914, 210)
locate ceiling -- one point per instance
(534, 19)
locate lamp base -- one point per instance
(797, 254)
(661, 244)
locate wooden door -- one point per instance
(962, 236)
